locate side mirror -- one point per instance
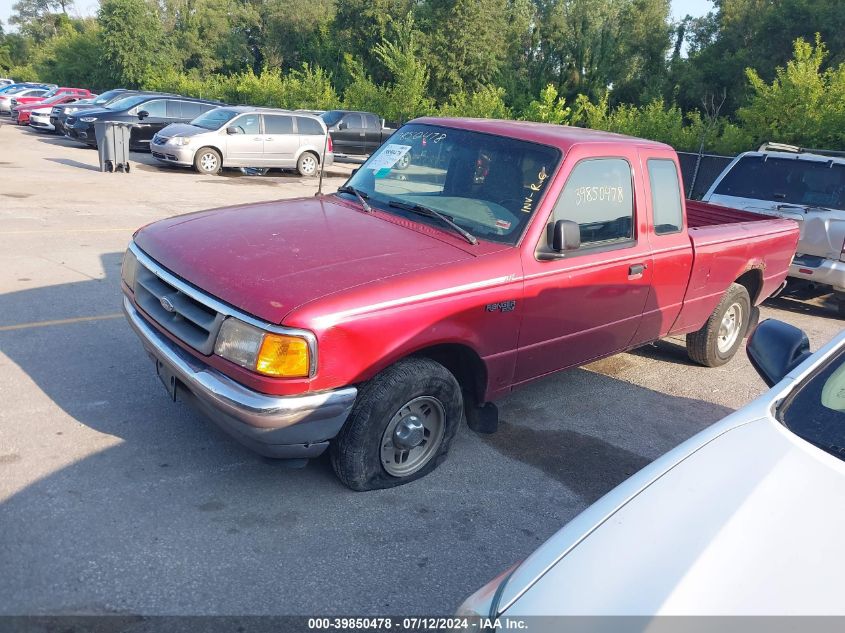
(342, 125)
(776, 348)
(233, 129)
(143, 114)
(354, 171)
(564, 235)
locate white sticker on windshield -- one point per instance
(387, 158)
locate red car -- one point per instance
(21, 112)
(79, 93)
(374, 320)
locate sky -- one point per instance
(680, 8)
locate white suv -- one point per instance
(808, 187)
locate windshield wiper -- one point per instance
(431, 213)
(357, 194)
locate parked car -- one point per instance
(806, 186)
(59, 113)
(21, 112)
(6, 98)
(245, 136)
(355, 133)
(8, 89)
(745, 518)
(78, 93)
(39, 119)
(149, 114)
(5, 81)
(376, 318)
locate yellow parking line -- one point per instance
(26, 326)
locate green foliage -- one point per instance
(549, 108)
(132, 38)
(804, 104)
(488, 102)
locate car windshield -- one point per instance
(214, 119)
(797, 181)
(488, 185)
(50, 93)
(816, 412)
(107, 96)
(331, 117)
(127, 102)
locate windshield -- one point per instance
(786, 180)
(214, 119)
(127, 102)
(331, 117)
(50, 93)
(107, 96)
(816, 412)
(488, 185)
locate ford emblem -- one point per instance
(167, 304)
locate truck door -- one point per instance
(349, 138)
(672, 254)
(372, 133)
(588, 302)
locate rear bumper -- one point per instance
(275, 426)
(828, 272)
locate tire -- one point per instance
(207, 161)
(404, 162)
(718, 341)
(366, 454)
(308, 164)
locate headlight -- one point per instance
(267, 353)
(179, 140)
(88, 119)
(129, 269)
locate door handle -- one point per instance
(258, 138)
(268, 138)
(636, 270)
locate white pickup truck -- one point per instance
(804, 185)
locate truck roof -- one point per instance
(560, 136)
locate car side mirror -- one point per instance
(342, 125)
(354, 171)
(143, 114)
(776, 348)
(564, 235)
(233, 129)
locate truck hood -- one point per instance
(822, 232)
(269, 258)
(750, 524)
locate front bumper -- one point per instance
(828, 272)
(274, 426)
(173, 154)
(41, 122)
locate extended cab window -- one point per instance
(665, 196)
(816, 412)
(598, 196)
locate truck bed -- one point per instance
(729, 244)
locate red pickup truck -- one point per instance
(373, 320)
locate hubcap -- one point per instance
(208, 162)
(729, 328)
(413, 436)
(309, 165)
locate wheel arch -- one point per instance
(752, 280)
(465, 364)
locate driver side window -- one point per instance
(598, 196)
(248, 123)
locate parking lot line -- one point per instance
(32, 324)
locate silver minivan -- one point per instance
(246, 136)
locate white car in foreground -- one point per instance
(40, 119)
(745, 518)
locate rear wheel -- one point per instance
(207, 161)
(721, 336)
(308, 164)
(401, 426)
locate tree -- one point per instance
(39, 19)
(132, 39)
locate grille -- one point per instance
(180, 314)
(159, 140)
(71, 120)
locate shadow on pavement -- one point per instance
(161, 513)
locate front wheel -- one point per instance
(721, 336)
(307, 164)
(208, 161)
(401, 426)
